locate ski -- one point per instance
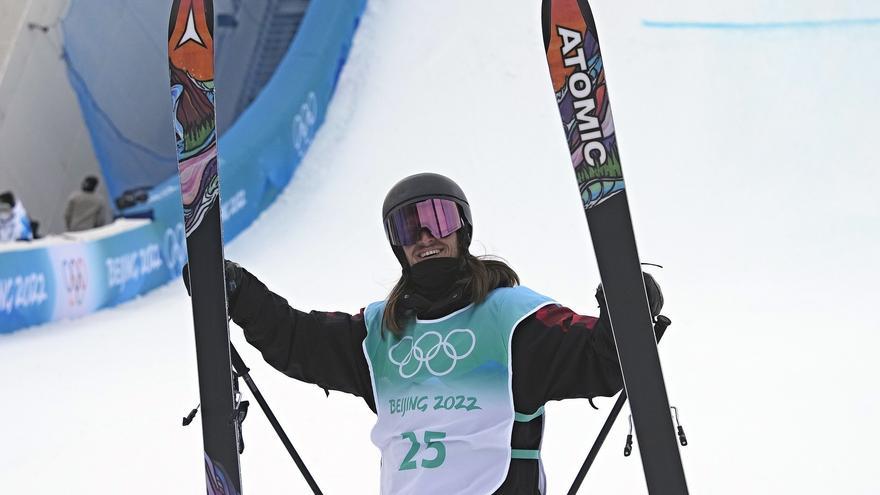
(576, 69)
(191, 64)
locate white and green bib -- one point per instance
(443, 395)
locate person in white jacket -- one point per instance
(14, 222)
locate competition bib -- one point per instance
(443, 395)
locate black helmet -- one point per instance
(423, 186)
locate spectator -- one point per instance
(85, 209)
(14, 222)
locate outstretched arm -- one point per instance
(323, 348)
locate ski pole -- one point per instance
(243, 371)
(615, 411)
(659, 327)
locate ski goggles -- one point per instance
(440, 216)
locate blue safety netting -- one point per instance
(117, 65)
(116, 59)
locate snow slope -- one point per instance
(751, 167)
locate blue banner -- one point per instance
(73, 279)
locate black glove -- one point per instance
(655, 297)
(234, 276)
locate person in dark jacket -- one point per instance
(457, 362)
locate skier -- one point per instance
(457, 362)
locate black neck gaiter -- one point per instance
(437, 288)
(435, 278)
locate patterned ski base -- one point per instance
(579, 81)
(191, 60)
(219, 483)
(191, 65)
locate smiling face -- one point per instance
(429, 246)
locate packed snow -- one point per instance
(751, 164)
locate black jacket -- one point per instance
(557, 354)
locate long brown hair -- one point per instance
(483, 274)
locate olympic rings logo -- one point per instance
(426, 349)
(76, 280)
(303, 125)
(174, 249)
